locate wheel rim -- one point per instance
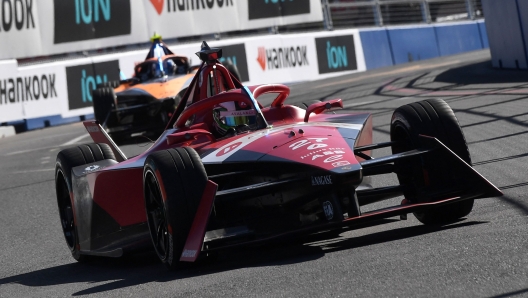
(156, 219)
(66, 212)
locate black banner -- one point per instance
(261, 9)
(77, 20)
(237, 54)
(83, 79)
(336, 53)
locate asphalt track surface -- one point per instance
(485, 255)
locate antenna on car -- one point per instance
(208, 54)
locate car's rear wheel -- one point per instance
(174, 181)
(431, 117)
(66, 160)
(103, 101)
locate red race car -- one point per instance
(229, 172)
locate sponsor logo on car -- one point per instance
(186, 5)
(37, 87)
(188, 253)
(77, 20)
(83, 79)
(321, 150)
(322, 180)
(16, 15)
(237, 54)
(328, 210)
(91, 168)
(336, 53)
(340, 163)
(287, 57)
(228, 149)
(261, 9)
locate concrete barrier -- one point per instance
(7, 131)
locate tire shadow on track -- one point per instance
(144, 268)
(511, 294)
(396, 234)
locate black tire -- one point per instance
(432, 117)
(66, 160)
(232, 68)
(103, 101)
(173, 183)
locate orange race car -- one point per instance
(144, 103)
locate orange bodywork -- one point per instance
(162, 87)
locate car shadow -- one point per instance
(144, 268)
(395, 234)
(511, 294)
(481, 73)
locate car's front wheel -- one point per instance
(431, 117)
(173, 183)
(66, 160)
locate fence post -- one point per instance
(471, 9)
(426, 14)
(378, 17)
(327, 16)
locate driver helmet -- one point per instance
(232, 115)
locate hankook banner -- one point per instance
(62, 26)
(31, 91)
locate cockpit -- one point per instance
(159, 68)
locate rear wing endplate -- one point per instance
(99, 135)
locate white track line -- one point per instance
(32, 171)
(53, 148)
(77, 139)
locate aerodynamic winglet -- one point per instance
(193, 245)
(99, 135)
(484, 187)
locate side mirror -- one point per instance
(323, 106)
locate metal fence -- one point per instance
(371, 13)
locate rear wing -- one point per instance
(99, 135)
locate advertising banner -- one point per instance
(10, 92)
(271, 9)
(176, 18)
(281, 59)
(78, 25)
(83, 79)
(20, 28)
(44, 89)
(84, 20)
(339, 52)
(62, 26)
(335, 53)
